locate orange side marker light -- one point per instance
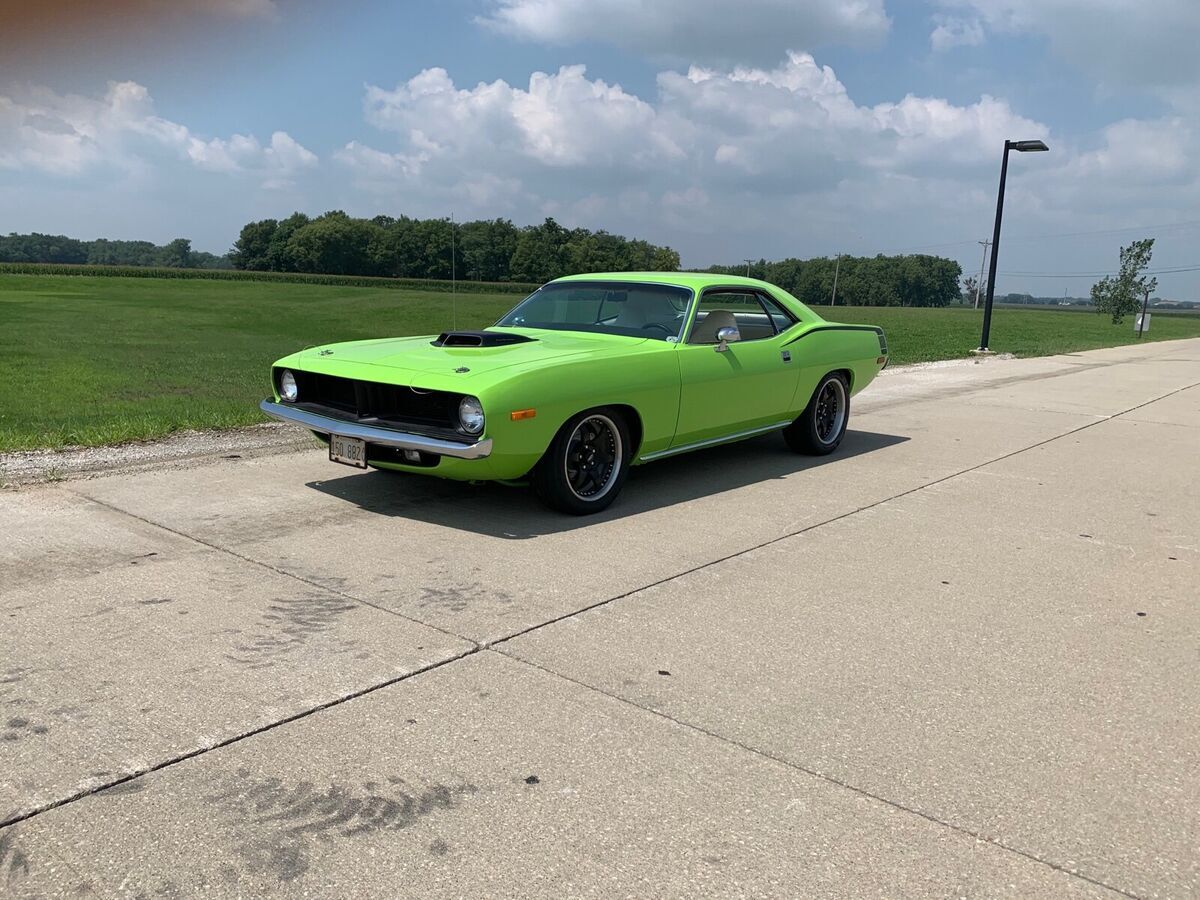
(519, 414)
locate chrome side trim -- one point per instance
(712, 442)
(373, 434)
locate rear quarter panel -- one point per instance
(828, 347)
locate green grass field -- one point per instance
(92, 361)
(924, 335)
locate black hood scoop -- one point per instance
(479, 339)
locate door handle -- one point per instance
(787, 355)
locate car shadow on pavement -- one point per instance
(502, 511)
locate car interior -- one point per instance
(709, 322)
(743, 310)
(646, 311)
(652, 311)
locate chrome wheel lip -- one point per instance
(618, 456)
(832, 392)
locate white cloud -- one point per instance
(798, 123)
(284, 158)
(561, 120)
(68, 134)
(712, 142)
(952, 31)
(1143, 155)
(938, 132)
(792, 124)
(1120, 42)
(695, 30)
(731, 161)
(371, 164)
(29, 138)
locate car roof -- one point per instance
(697, 281)
(693, 280)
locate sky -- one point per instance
(757, 128)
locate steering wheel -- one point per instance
(667, 331)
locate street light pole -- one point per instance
(987, 306)
(1020, 147)
(747, 262)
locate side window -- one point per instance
(717, 309)
(781, 318)
(756, 317)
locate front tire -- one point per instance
(820, 428)
(585, 466)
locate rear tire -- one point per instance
(585, 465)
(820, 428)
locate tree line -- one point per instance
(58, 248)
(912, 280)
(404, 247)
(492, 250)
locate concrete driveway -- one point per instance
(957, 659)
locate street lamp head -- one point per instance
(1027, 146)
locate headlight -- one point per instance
(470, 415)
(287, 387)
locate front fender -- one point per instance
(647, 382)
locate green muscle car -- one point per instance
(583, 378)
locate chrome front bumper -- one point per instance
(373, 434)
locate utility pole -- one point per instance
(836, 267)
(1142, 320)
(982, 263)
(453, 277)
(747, 262)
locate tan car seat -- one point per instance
(639, 309)
(705, 332)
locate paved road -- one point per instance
(957, 659)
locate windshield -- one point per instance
(605, 307)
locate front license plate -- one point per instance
(347, 450)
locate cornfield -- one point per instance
(425, 284)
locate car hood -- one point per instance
(419, 356)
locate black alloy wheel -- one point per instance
(831, 410)
(593, 457)
(820, 428)
(586, 463)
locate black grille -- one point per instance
(372, 403)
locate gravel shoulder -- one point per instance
(187, 448)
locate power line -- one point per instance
(1170, 271)
(1061, 234)
(1038, 237)
(933, 246)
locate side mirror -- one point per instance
(726, 336)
